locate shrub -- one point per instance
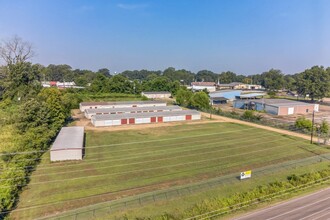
(303, 124)
(249, 115)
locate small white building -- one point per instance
(198, 86)
(89, 113)
(157, 95)
(145, 118)
(129, 104)
(66, 84)
(68, 144)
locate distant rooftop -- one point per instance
(159, 92)
(109, 110)
(251, 95)
(281, 102)
(231, 84)
(203, 83)
(120, 103)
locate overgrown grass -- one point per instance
(120, 164)
(8, 133)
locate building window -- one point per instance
(307, 110)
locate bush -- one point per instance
(303, 124)
(250, 116)
(237, 200)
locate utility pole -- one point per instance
(312, 132)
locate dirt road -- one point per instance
(225, 119)
(80, 120)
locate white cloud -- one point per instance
(131, 6)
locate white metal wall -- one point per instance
(66, 154)
(196, 117)
(145, 120)
(142, 120)
(112, 122)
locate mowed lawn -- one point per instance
(122, 163)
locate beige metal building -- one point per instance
(128, 104)
(145, 118)
(277, 106)
(157, 95)
(89, 113)
(68, 144)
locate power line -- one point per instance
(43, 167)
(148, 161)
(87, 197)
(136, 142)
(38, 206)
(168, 166)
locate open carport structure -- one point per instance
(126, 104)
(145, 118)
(89, 113)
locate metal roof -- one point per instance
(251, 95)
(282, 102)
(203, 83)
(219, 99)
(145, 115)
(121, 103)
(159, 92)
(110, 110)
(69, 138)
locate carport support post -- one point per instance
(312, 131)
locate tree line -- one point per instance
(25, 77)
(38, 116)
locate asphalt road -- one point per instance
(314, 206)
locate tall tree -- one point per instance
(104, 71)
(19, 77)
(227, 77)
(206, 76)
(16, 50)
(315, 82)
(273, 80)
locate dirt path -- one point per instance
(80, 120)
(281, 131)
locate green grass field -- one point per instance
(123, 163)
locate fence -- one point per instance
(163, 195)
(272, 122)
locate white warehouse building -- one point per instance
(68, 144)
(128, 104)
(89, 113)
(145, 118)
(157, 95)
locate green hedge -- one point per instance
(220, 205)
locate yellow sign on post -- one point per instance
(246, 174)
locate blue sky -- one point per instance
(244, 36)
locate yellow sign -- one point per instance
(246, 174)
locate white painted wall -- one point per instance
(195, 117)
(66, 154)
(142, 120)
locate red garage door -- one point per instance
(153, 119)
(160, 119)
(124, 121)
(132, 120)
(188, 117)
